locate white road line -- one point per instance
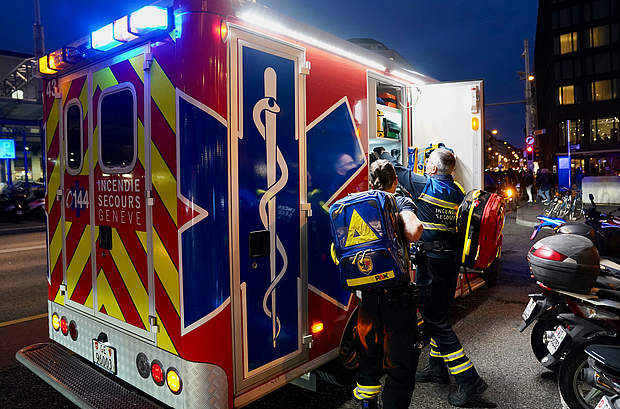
(14, 249)
(20, 320)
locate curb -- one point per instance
(21, 230)
(524, 222)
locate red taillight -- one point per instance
(549, 254)
(63, 326)
(157, 373)
(73, 330)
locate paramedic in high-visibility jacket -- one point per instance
(437, 197)
(387, 320)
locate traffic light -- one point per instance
(529, 149)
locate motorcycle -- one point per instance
(603, 374)
(593, 321)
(23, 201)
(607, 228)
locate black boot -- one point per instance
(467, 393)
(433, 374)
(369, 404)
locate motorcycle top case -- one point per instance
(368, 244)
(580, 229)
(479, 224)
(566, 262)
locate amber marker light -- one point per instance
(55, 322)
(174, 381)
(317, 327)
(475, 123)
(224, 31)
(43, 68)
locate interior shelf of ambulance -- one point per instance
(389, 121)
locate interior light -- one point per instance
(121, 30)
(148, 18)
(317, 327)
(43, 67)
(157, 373)
(103, 39)
(174, 381)
(224, 31)
(63, 326)
(410, 78)
(475, 123)
(55, 322)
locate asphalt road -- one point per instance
(486, 323)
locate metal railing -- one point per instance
(19, 77)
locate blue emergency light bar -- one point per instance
(143, 21)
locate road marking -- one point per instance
(20, 320)
(13, 250)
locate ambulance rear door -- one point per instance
(76, 212)
(121, 179)
(452, 113)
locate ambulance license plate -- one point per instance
(556, 340)
(604, 403)
(531, 306)
(104, 356)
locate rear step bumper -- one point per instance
(79, 382)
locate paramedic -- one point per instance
(437, 198)
(386, 320)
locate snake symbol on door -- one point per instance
(267, 205)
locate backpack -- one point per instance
(368, 244)
(479, 224)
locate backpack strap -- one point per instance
(459, 186)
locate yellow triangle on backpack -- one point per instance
(359, 231)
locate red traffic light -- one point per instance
(529, 149)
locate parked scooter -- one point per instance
(595, 320)
(21, 201)
(603, 373)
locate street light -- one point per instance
(489, 149)
(494, 131)
(530, 78)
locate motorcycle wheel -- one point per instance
(539, 348)
(575, 392)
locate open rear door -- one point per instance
(453, 113)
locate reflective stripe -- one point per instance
(366, 392)
(461, 368)
(353, 282)
(433, 343)
(454, 356)
(437, 226)
(435, 354)
(438, 202)
(459, 186)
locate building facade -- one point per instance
(577, 69)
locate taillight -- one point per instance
(157, 373)
(142, 363)
(55, 322)
(174, 381)
(73, 330)
(549, 254)
(64, 326)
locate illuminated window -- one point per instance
(566, 95)
(568, 43)
(576, 131)
(602, 90)
(604, 129)
(598, 36)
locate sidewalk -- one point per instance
(26, 226)
(527, 212)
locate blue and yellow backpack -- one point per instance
(368, 244)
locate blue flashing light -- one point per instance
(121, 30)
(103, 39)
(148, 18)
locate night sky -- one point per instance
(450, 40)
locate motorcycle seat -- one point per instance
(610, 266)
(607, 356)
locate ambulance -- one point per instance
(193, 149)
